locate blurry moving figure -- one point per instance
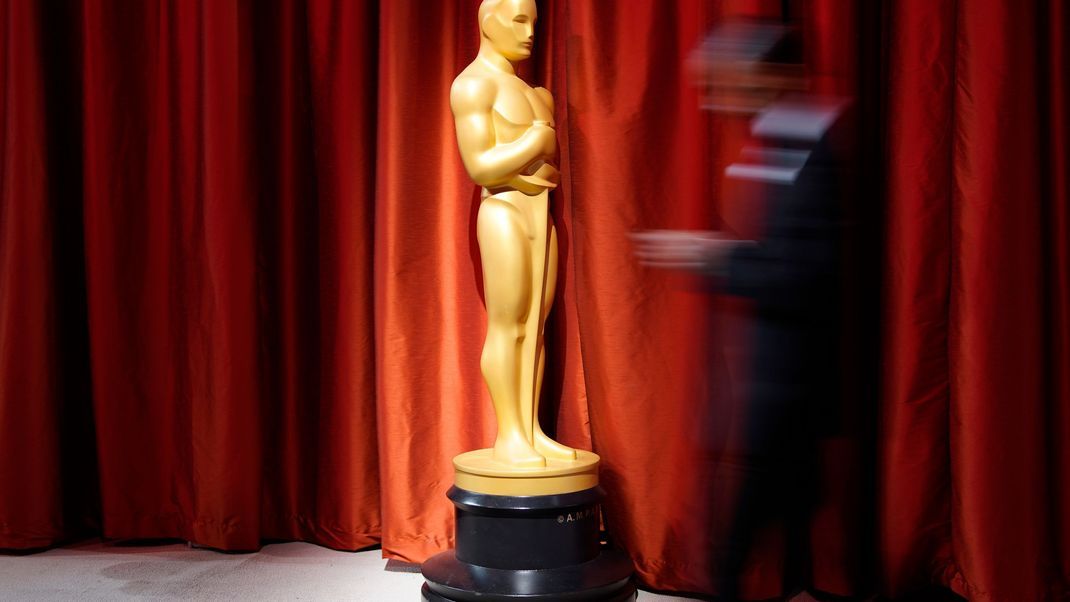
(742, 66)
(792, 274)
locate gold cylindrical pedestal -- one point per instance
(477, 471)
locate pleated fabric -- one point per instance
(240, 296)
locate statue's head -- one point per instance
(508, 27)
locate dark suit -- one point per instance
(793, 276)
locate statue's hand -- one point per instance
(542, 173)
(542, 169)
(545, 137)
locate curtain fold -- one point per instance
(915, 529)
(240, 296)
(639, 156)
(429, 325)
(48, 475)
(27, 338)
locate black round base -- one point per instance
(528, 548)
(607, 578)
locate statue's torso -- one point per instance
(516, 106)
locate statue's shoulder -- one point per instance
(545, 96)
(473, 88)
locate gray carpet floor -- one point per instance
(173, 571)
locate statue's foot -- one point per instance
(552, 449)
(517, 453)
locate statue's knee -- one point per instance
(501, 338)
(500, 349)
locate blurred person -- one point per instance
(791, 273)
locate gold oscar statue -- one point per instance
(505, 132)
(526, 510)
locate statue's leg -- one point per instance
(544, 444)
(506, 257)
(537, 243)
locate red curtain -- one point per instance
(213, 156)
(975, 421)
(240, 298)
